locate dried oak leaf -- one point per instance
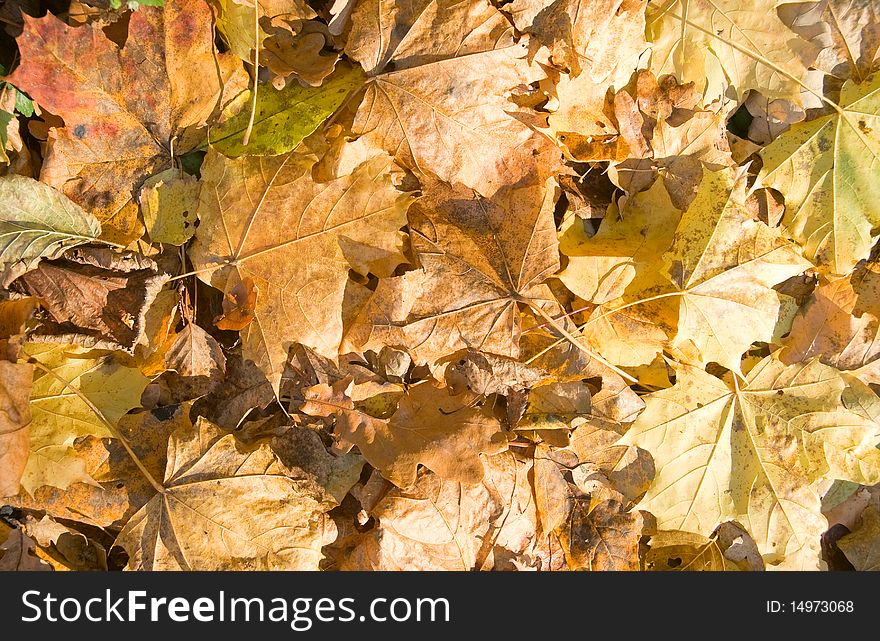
(438, 75)
(199, 520)
(265, 218)
(478, 259)
(447, 434)
(299, 54)
(127, 111)
(753, 451)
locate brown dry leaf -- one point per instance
(629, 469)
(839, 324)
(123, 119)
(265, 218)
(17, 553)
(195, 353)
(243, 391)
(602, 537)
(601, 39)
(442, 525)
(447, 434)
(96, 298)
(199, 522)
(861, 546)
(486, 374)
(478, 258)
(429, 99)
(298, 54)
(847, 32)
(239, 305)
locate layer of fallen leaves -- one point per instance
(483, 284)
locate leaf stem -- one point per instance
(600, 317)
(573, 340)
(250, 126)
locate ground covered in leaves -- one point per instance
(435, 284)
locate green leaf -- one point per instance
(828, 170)
(5, 119)
(23, 104)
(38, 222)
(285, 117)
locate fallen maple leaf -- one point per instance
(826, 169)
(80, 394)
(716, 42)
(438, 75)
(124, 119)
(752, 450)
(272, 239)
(479, 258)
(446, 434)
(192, 523)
